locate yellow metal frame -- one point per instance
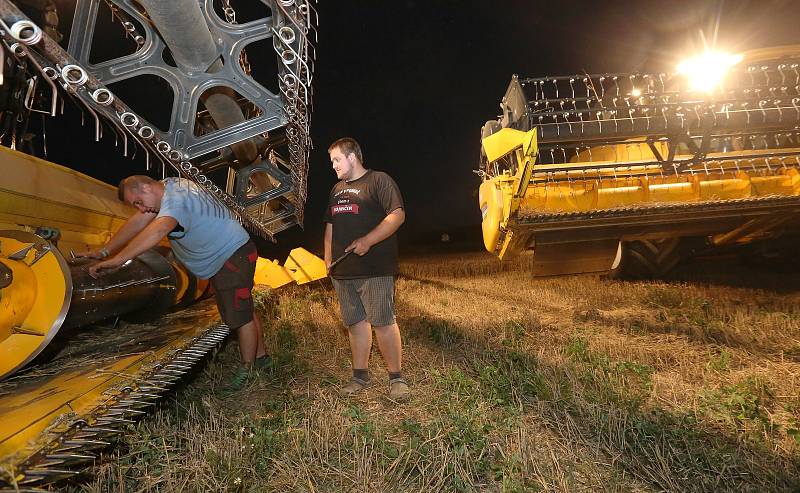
(500, 197)
(301, 267)
(34, 305)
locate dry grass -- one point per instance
(570, 384)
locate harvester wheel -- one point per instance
(647, 259)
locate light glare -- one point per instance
(705, 72)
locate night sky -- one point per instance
(413, 81)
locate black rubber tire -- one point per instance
(648, 259)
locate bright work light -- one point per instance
(705, 72)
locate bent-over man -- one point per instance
(209, 241)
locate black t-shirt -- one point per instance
(354, 209)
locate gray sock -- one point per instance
(362, 374)
(393, 375)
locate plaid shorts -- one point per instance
(369, 298)
(233, 286)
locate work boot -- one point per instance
(239, 379)
(398, 389)
(354, 385)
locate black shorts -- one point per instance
(233, 286)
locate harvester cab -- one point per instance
(629, 173)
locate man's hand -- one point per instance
(360, 246)
(104, 267)
(95, 254)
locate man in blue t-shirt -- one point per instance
(205, 236)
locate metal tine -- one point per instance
(81, 435)
(119, 411)
(72, 458)
(168, 377)
(88, 444)
(46, 475)
(185, 362)
(162, 382)
(151, 385)
(79, 102)
(189, 359)
(134, 402)
(50, 463)
(192, 352)
(111, 421)
(53, 88)
(66, 448)
(97, 431)
(178, 366)
(144, 395)
(95, 434)
(146, 391)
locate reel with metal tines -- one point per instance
(758, 96)
(62, 72)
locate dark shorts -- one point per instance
(233, 286)
(369, 298)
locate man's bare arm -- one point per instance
(133, 226)
(383, 230)
(147, 238)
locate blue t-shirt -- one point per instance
(207, 233)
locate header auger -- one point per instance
(620, 173)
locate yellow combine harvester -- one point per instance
(629, 173)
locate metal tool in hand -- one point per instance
(333, 264)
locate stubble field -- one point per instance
(519, 384)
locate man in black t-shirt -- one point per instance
(364, 211)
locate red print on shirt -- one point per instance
(344, 209)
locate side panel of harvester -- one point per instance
(610, 173)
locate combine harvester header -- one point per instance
(629, 173)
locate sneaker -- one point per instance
(263, 363)
(238, 379)
(354, 385)
(398, 389)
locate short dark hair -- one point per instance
(134, 183)
(348, 145)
